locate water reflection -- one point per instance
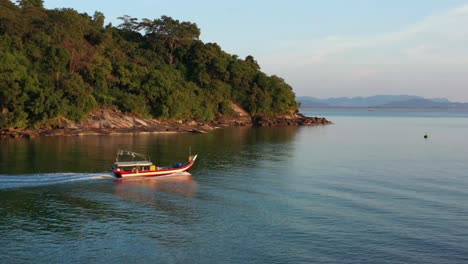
(246, 147)
(97, 153)
(143, 188)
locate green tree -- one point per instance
(98, 19)
(13, 77)
(77, 97)
(62, 63)
(171, 32)
(31, 3)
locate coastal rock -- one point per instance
(295, 119)
(17, 133)
(112, 121)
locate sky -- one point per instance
(328, 48)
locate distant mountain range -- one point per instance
(380, 101)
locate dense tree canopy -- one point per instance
(61, 63)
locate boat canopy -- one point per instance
(133, 163)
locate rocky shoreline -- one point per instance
(114, 122)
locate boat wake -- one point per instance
(42, 179)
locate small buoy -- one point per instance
(426, 136)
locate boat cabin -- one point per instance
(134, 166)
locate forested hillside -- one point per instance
(63, 64)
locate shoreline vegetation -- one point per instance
(67, 73)
(114, 122)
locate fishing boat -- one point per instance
(141, 166)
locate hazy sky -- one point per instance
(328, 48)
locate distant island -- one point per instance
(60, 68)
(380, 101)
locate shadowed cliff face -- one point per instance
(112, 121)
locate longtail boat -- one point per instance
(143, 167)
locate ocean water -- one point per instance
(368, 189)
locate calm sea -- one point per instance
(368, 189)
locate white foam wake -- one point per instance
(41, 179)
